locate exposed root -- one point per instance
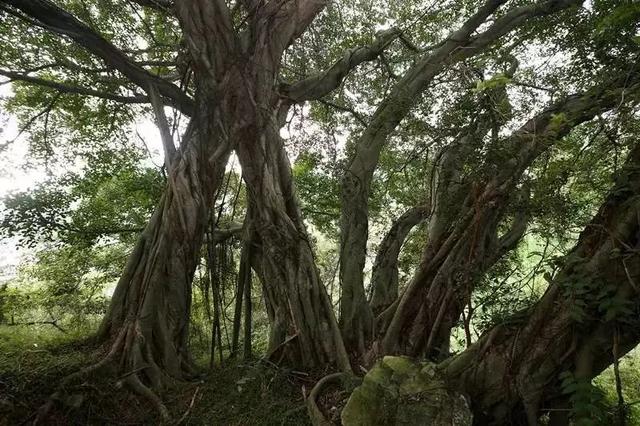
(315, 413)
(44, 410)
(134, 382)
(127, 350)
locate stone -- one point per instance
(402, 391)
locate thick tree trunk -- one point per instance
(515, 369)
(149, 313)
(303, 326)
(356, 316)
(242, 68)
(462, 241)
(449, 267)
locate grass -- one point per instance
(33, 360)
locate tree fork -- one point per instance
(518, 363)
(456, 258)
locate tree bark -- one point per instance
(384, 275)
(244, 274)
(148, 316)
(356, 318)
(514, 370)
(247, 344)
(304, 330)
(466, 245)
(245, 66)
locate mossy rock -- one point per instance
(401, 391)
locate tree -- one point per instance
(587, 316)
(241, 70)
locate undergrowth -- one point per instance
(33, 361)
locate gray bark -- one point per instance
(384, 275)
(468, 244)
(149, 312)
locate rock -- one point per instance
(400, 391)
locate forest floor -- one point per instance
(32, 364)
(33, 361)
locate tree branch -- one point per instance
(51, 17)
(384, 276)
(163, 126)
(164, 6)
(324, 82)
(66, 88)
(345, 108)
(233, 230)
(519, 362)
(53, 323)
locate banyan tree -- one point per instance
(477, 97)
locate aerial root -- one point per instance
(317, 417)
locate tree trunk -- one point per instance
(242, 68)
(246, 347)
(463, 243)
(303, 326)
(356, 316)
(515, 369)
(384, 275)
(244, 274)
(147, 321)
(216, 275)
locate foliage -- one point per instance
(101, 189)
(68, 286)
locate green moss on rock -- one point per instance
(400, 391)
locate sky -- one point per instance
(17, 176)
(13, 177)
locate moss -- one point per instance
(400, 391)
(401, 365)
(558, 121)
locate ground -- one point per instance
(32, 362)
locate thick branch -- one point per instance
(55, 19)
(290, 19)
(163, 125)
(431, 288)
(357, 178)
(570, 329)
(321, 84)
(159, 5)
(66, 88)
(221, 234)
(209, 34)
(384, 277)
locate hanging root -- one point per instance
(317, 417)
(120, 345)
